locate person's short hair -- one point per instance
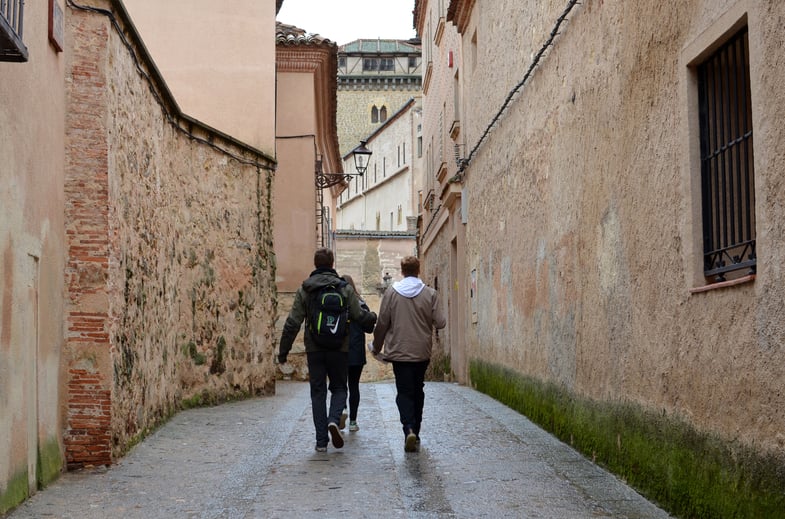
(410, 266)
(323, 258)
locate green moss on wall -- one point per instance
(15, 492)
(190, 350)
(218, 365)
(688, 473)
(50, 462)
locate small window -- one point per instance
(412, 62)
(12, 48)
(370, 64)
(374, 114)
(342, 62)
(383, 114)
(727, 170)
(386, 64)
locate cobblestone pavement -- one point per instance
(256, 459)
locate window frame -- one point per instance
(727, 160)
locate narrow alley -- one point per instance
(256, 459)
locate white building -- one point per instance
(387, 198)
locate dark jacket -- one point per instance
(318, 279)
(357, 339)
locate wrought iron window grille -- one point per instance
(727, 165)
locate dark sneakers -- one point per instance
(335, 435)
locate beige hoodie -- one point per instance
(409, 312)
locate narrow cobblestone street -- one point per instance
(256, 459)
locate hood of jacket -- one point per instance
(320, 278)
(409, 286)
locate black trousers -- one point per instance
(354, 390)
(410, 384)
(324, 365)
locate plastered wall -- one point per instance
(581, 222)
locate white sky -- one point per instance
(344, 21)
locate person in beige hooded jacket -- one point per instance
(408, 314)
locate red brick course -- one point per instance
(88, 417)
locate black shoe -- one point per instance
(335, 435)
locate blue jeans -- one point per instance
(410, 384)
(324, 365)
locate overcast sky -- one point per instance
(344, 21)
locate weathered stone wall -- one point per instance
(171, 275)
(580, 214)
(354, 113)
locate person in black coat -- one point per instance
(356, 359)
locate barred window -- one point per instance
(12, 48)
(727, 171)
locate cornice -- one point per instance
(300, 59)
(459, 12)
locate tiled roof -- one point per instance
(291, 35)
(381, 47)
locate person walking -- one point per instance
(408, 314)
(357, 360)
(326, 303)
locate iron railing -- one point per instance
(12, 48)
(727, 170)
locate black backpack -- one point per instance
(328, 315)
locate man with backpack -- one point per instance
(326, 303)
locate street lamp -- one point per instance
(362, 156)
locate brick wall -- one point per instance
(170, 292)
(87, 438)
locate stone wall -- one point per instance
(581, 214)
(170, 272)
(354, 113)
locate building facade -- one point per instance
(442, 239)
(226, 72)
(32, 244)
(385, 198)
(139, 273)
(375, 79)
(379, 104)
(619, 194)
